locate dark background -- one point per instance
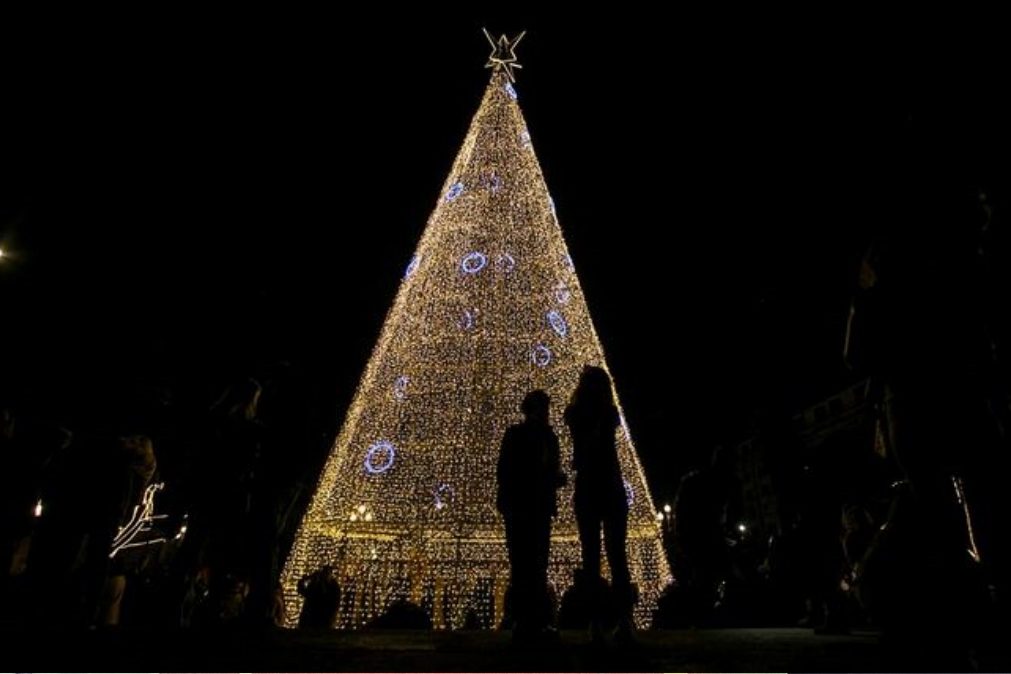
(187, 199)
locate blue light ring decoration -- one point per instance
(372, 466)
(412, 266)
(473, 262)
(557, 323)
(540, 355)
(454, 191)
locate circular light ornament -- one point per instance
(557, 323)
(474, 262)
(380, 456)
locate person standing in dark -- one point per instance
(528, 476)
(918, 329)
(600, 497)
(701, 557)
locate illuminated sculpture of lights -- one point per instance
(405, 506)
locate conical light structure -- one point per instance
(489, 308)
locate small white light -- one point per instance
(666, 508)
(361, 509)
(659, 516)
(38, 504)
(368, 517)
(354, 517)
(741, 527)
(1, 253)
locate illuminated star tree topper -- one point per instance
(503, 54)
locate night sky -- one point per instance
(188, 199)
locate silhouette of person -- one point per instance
(528, 477)
(700, 509)
(918, 329)
(600, 497)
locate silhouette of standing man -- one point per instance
(528, 476)
(600, 497)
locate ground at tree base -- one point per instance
(727, 650)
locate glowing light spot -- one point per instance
(562, 293)
(380, 457)
(505, 263)
(510, 90)
(525, 138)
(557, 323)
(400, 387)
(453, 192)
(630, 494)
(473, 262)
(541, 355)
(412, 266)
(493, 182)
(444, 494)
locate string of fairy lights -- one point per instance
(489, 308)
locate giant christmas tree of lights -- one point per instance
(489, 308)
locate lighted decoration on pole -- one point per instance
(488, 309)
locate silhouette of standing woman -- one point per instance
(599, 490)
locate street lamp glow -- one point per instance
(666, 508)
(742, 527)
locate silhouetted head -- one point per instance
(139, 451)
(535, 405)
(594, 387)
(240, 400)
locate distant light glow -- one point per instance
(742, 527)
(666, 508)
(444, 493)
(473, 262)
(38, 508)
(380, 457)
(454, 191)
(558, 324)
